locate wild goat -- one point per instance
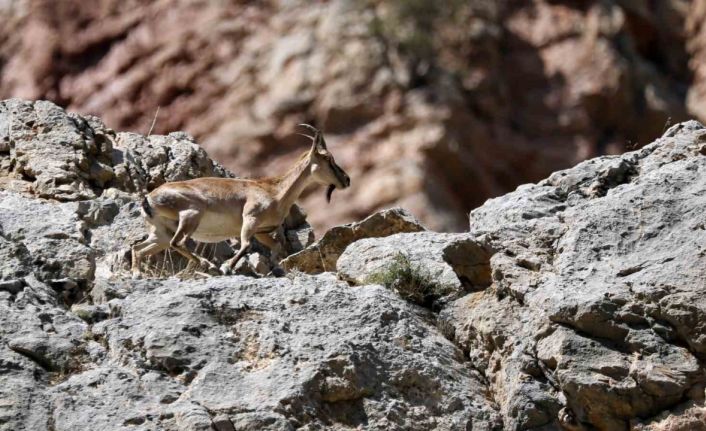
(215, 209)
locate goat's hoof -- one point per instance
(226, 270)
(208, 266)
(277, 271)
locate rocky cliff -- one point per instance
(434, 106)
(575, 303)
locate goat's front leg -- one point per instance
(269, 242)
(246, 233)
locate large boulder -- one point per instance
(597, 308)
(46, 238)
(323, 254)
(40, 343)
(68, 157)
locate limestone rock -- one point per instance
(252, 349)
(39, 343)
(68, 157)
(254, 264)
(44, 237)
(596, 277)
(323, 255)
(59, 153)
(456, 263)
(143, 163)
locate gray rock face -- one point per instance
(45, 238)
(323, 255)
(82, 348)
(39, 343)
(596, 314)
(251, 350)
(60, 154)
(68, 157)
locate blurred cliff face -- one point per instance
(435, 106)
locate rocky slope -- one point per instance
(575, 303)
(432, 106)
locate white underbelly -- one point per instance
(217, 227)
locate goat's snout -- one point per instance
(346, 180)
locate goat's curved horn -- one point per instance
(310, 127)
(318, 136)
(305, 135)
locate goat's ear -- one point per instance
(319, 142)
(314, 147)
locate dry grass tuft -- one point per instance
(411, 282)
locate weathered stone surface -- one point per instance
(60, 154)
(456, 262)
(597, 308)
(254, 264)
(39, 342)
(684, 418)
(68, 157)
(322, 255)
(15, 260)
(146, 162)
(251, 349)
(47, 238)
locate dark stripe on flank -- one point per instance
(146, 207)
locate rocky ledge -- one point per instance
(576, 303)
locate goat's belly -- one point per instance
(216, 227)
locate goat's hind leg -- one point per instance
(188, 223)
(152, 245)
(158, 239)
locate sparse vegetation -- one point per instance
(422, 31)
(411, 282)
(166, 264)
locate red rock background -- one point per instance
(435, 106)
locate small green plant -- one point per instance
(411, 282)
(428, 35)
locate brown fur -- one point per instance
(215, 209)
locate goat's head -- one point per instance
(324, 169)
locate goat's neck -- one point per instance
(292, 184)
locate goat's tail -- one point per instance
(146, 207)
